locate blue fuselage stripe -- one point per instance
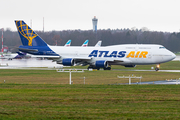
(42, 50)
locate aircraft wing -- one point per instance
(89, 60)
(114, 61)
(46, 56)
(82, 58)
(82, 61)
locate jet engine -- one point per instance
(101, 64)
(68, 62)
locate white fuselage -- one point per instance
(136, 54)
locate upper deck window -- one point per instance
(144, 48)
(130, 47)
(162, 48)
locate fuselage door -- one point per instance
(149, 55)
(76, 53)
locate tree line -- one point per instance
(109, 37)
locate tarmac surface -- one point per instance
(161, 82)
(148, 70)
(25, 63)
(177, 58)
(49, 65)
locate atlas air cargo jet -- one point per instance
(128, 55)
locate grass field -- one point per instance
(92, 77)
(46, 94)
(51, 101)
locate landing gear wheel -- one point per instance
(91, 67)
(108, 68)
(156, 69)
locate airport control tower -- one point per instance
(94, 21)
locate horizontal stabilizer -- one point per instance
(19, 53)
(28, 50)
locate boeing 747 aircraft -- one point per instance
(128, 55)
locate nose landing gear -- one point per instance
(157, 67)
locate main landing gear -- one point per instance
(108, 68)
(157, 67)
(92, 67)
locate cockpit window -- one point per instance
(162, 48)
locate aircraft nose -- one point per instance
(170, 56)
(173, 56)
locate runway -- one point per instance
(147, 70)
(177, 58)
(47, 64)
(161, 82)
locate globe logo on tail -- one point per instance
(26, 31)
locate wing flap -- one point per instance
(45, 56)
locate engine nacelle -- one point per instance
(101, 64)
(68, 62)
(129, 65)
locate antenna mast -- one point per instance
(2, 40)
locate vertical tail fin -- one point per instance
(68, 43)
(98, 44)
(27, 35)
(85, 44)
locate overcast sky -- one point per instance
(156, 15)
